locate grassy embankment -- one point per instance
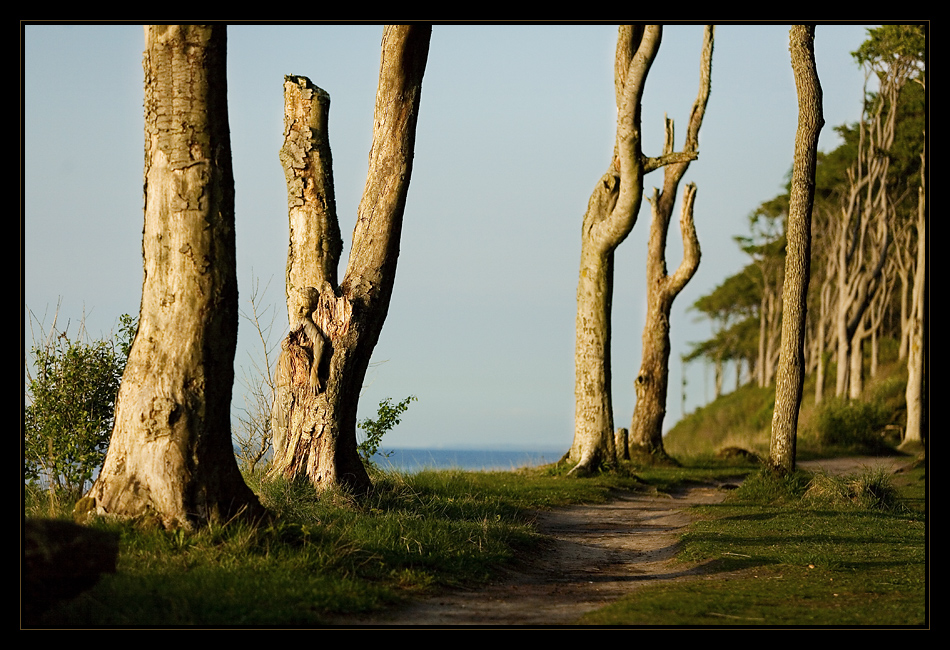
(775, 555)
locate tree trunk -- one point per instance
(334, 328)
(917, 351)
(864, 232)
(821, 357)
(791, 372)
(170, 455)
(611, 215)
(652, 382)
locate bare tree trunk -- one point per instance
(917, 349)
(646, 428)
(856, 371)
(335, 327)
(770, 324)
(864, 235)
(170, 455)
(611, 215)
(652, 382)
(820, 339)
(791, 372)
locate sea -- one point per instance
(475, 460)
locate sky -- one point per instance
(516, 125)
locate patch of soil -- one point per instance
(596, 554)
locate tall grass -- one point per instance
(871, 490)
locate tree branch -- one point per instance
(651, 164)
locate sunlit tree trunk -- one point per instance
(917, 350)
(611, 215)
(335, 327)
(791, 371)
(652, 382)
(821, 336)
(170, 456)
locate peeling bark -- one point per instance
(170, 456)
(334, 327)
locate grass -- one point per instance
(832, 427)
(781, 552)
(799, 551)
(327, 555)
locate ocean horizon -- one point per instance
(412, 460)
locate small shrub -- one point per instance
(70, 407)
(388, 416)
(851, 424)
(767, 487)
(872, 490)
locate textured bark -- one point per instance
(334, 327)
(611, 215)
(791, 370)
(917, 353)
(170, 455)
(652, 382)
(646, 427)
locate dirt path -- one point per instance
(597, 554)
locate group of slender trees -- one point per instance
(170, 454)
(610, 217)
(868, 258)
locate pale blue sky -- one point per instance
(516, 125)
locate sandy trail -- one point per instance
(596, 554)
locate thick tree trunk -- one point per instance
(334, 328)
(170, 455)
(652, 382)
(791, 371)
(593, 406)
(611, 215)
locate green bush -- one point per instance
(852, 423)
(70, 405)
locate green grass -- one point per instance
(327, 555)
(773, 555)
(742, 418)
(779, 554)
